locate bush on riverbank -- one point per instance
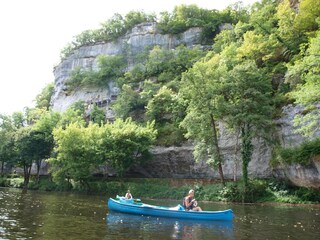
(257, 191)
(13, 181)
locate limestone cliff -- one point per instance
(134, 42)
(178, 162)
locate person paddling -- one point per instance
(189, 203)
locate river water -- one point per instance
(45, 215)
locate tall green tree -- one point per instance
(249, 107)
(203, 90)
(26, 148)
(43, 134)
(78, 153)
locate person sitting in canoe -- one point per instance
(128, 195)
(189, 203)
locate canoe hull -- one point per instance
(156, 211)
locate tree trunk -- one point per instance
(217, 155)
(236, 150)
(246, 152)
(2, 168)
(85, 185)
(38, 170)
(27, 172)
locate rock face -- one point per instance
(142, 36)
(302, 176)
(178, 162)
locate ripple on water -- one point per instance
(71, 216)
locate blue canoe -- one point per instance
(129, 206)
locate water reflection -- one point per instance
(166, 228)
(67, 216)
(42, 215)
(13, 206)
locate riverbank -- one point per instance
(259, 191)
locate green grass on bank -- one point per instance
(258, 190)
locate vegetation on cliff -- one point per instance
(182, 18)
(270, 57)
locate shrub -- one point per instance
(16, 182)
(231, 193)
(302, 154)
(109, 67)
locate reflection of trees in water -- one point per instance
(37, 215)
(125, 226)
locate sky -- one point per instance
(33, 32)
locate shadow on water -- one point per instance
(124, 226)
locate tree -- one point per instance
(43, 134)
(72, 115)
(167, 111)
(150, 88)
(25, 146)
(158, 61)
(18, 119)
(133, 18)
(43, 99)
(130, 143)
(161, 106)
(203, 91)
(81, 150)
(187, 16)
(249, 107)
(258, 47)
(113, 28)
(97, 115)
(134, 76)
(303, 76)
(78, 153)
(32, 115)
(287, 31)
(308, 16)
(6, 141)
(127, 102)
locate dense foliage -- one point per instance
(182, 18)
(82, 150)
(303, 154)
(260, 191)
(267, 59)
(110, 30)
